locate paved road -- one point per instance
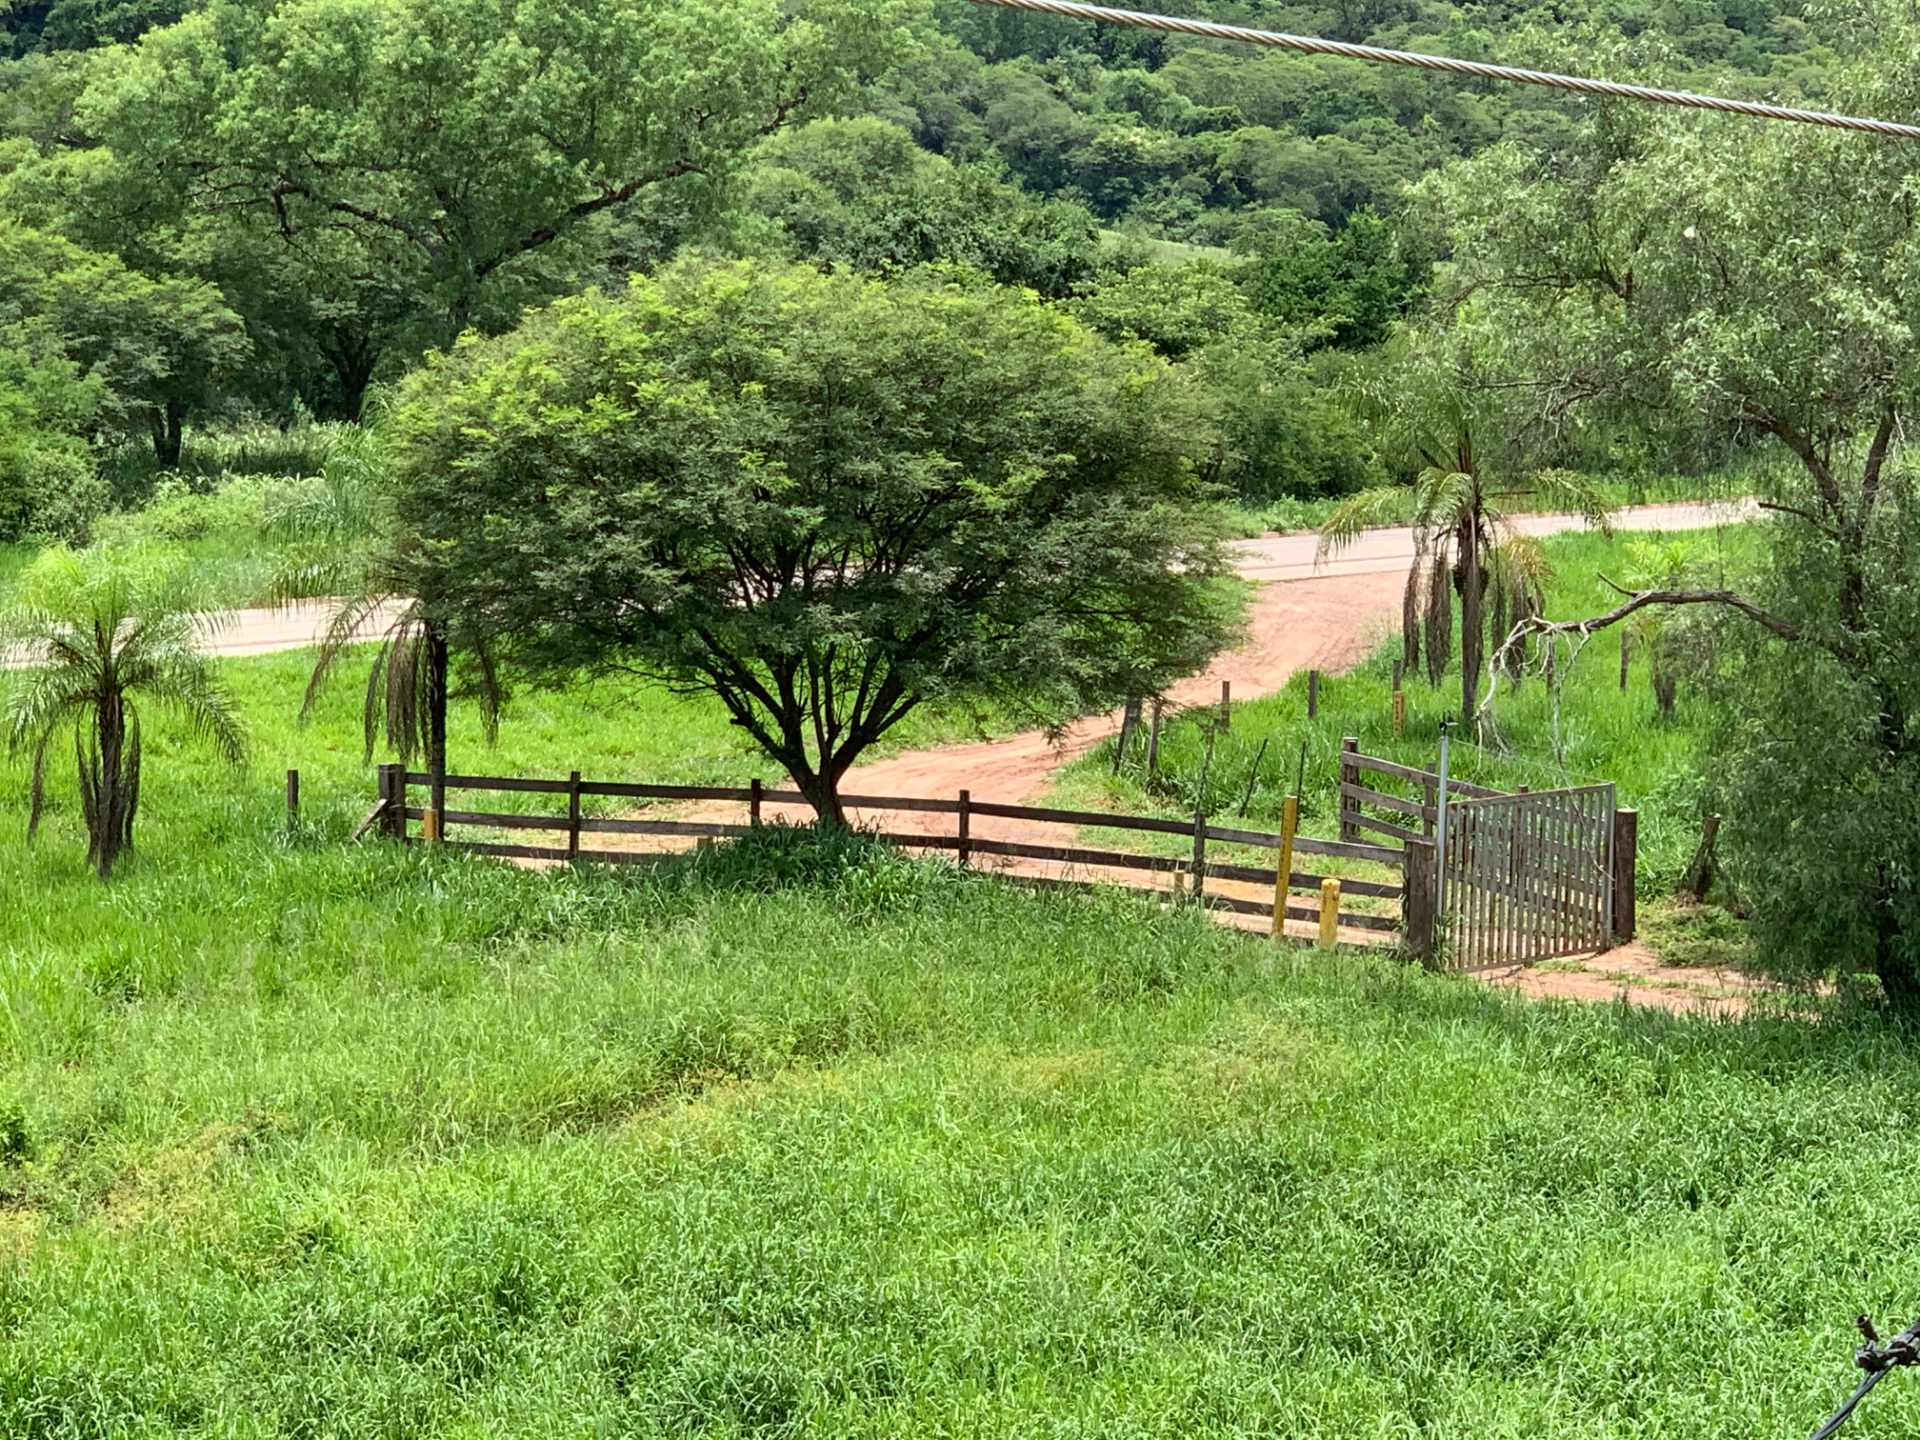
(1273, 557)
(1293, 557)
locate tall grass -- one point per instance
(803, 1138)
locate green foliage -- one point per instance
(1768, 281)
(861, 193)
(1816, 768)
(1447, 408)
(1593, 732)
(48, 484)
(81, 24)
(385, 175)
(158, 350)
(825, 499)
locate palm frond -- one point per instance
(1357, 514)
(37, 783)
(1448, 499)
(346, 627)
(185, 683)
(486, 688)
(1585, 497)
(1522, 561)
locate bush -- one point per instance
(50, 491)
(179, 512)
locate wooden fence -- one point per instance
(1529, 877)
(1415, 818)
(1189, 874)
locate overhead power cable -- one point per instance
(1313, 45)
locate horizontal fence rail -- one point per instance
(1189, 873)
(1406, 818)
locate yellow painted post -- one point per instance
(1329, 913)
(1399, 713)
(430, 826)
(1283, 870)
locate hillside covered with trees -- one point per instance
(269, 211)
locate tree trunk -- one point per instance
(1472, 619)
(823, 793)
(109, 784)
(168, 424)
(352, 358)
(1899, 978)
(437, 718)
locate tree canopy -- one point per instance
(823, 498)
(406, 166)
(1766, 278)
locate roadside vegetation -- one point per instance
(894, 373)
(1592, 731)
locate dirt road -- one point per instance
(1271, 557)
(1305, 615)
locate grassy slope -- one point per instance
(296, 1139)
(1606, 734)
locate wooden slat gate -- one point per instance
(1528, 877)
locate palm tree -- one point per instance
(1460, 424)
(1465, 545)
(94, 633)
(339, 543)
(409, 685)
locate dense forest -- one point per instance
(250, 210)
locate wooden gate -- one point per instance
(1528, 877)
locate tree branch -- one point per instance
(617, 194)
(1640, 599)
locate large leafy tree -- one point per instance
(825, 499)
(159, 349)
(1768, 277)
(98, 633)
(861, 193)
(412, 162)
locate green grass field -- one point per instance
(298, 1139)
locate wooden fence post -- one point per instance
(1626, 839)
(1283, 867)
(1329, 913)
(1417, 904)
(964, 851)
(1399, 672)
(1399, 712)
(1349, 775)
(1199, 855)
(1226, 705)
(755, 791)
(293, 799)
(393, 790)
(1313, 694)
(573, 816)
(1626, 647)
(1153, 742)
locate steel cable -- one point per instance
(1313, 45)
